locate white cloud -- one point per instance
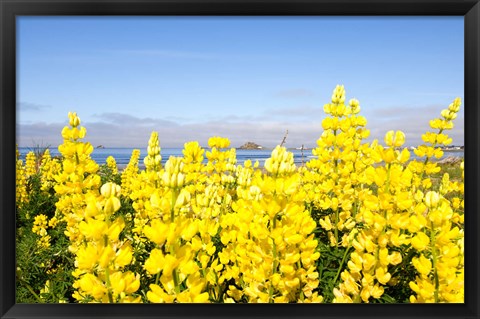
(267, 129)
(413, 121)
(123, 130)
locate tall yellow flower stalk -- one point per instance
(77, 182)
(333, 179)
(270, 250)
(203, 228)
(21, 182)
(102, 257)
(30, 164)
(175, 233)
(48, 168)
(112, 165)
(220, 168)
(130, 173)
(438, 235)
(40, 225)
(405, 218)
(380, 215)
(145, 182)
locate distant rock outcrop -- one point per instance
(250, 146)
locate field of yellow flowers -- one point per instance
(360, 222)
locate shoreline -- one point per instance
(444, 160)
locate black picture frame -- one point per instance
(10, 9)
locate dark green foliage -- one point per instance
(36, 265)
(107, 175)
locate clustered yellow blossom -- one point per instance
(165, 221)
(102, 257)
(381, 215)
(334, 179)
(270, 249)
(405, 212)
(30, 164)
(112, 164)
(439, 234)
(21, 182)
(49, 167)
(40, 225)
(203, 228)
(130, 172)
(77, 181)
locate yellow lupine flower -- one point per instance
(93, 229)
(157, 232)
(153, 159)
(422, 264)
(218, 142)
(394, 139)
(124, 283)
(30, 164)
(87, 257)
(155, 263)
(263, 219)
(112, 164)
(115, 228)
(91, 285)
(420, 241)
(105, 257)
(382, 275)
(432, 199)
(124, 255)
(157, 295)
(21, 187)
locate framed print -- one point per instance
(242, 158)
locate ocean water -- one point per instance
(122, 155)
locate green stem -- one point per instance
(31, 290)
(387, 182)
(341, 265)
(157, 278)
(434, 262)
(107, 274)
(274, 269)
(175, 281)
(219, 287)
(174, 200)
(336, 228)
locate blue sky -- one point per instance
(245, 78)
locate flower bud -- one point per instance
(338, 96)
(110, 190)
(180, 180)
(455, 106)
(82, 133)
(166, 179)
(355, 105)
(448, 115)
(74, 120)
(394, 139)
(112, 205)
(182, 199)
(431, 199)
